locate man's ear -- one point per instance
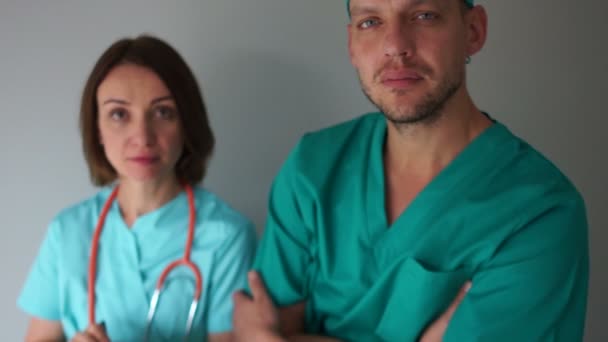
(476, 20)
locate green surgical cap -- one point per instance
(468, 2)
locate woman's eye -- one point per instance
(118, 114)
(164, 112)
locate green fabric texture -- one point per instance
(499, 214)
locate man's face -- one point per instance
(410, 54)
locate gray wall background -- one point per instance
(271, 70)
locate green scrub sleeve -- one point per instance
(535, 286)
(283, 257)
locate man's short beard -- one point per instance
(427, 111)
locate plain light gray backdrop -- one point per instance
(271, 70)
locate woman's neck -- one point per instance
(138, 198)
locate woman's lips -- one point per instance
(144, 160)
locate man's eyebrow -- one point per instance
(367, 9)
(363, 10)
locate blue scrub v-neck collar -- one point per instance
(152, 220)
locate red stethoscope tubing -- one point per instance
(185, 261)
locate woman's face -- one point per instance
(139, 125)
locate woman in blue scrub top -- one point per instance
(145, 133)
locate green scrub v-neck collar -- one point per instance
(439, 193)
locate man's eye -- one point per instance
(426, 16)
(369, 23)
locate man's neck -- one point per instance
(423, 150)
(416, 154)
(138, 198)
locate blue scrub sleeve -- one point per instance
(233, 261)
(535, 287)
(40, 294)
(283, 258)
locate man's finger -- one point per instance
(258, 289)
(449, 312)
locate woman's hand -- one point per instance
(94, 333)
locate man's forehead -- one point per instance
(366, 4)
(412, 2)
(363, 6)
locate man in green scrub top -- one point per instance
(375, 224)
